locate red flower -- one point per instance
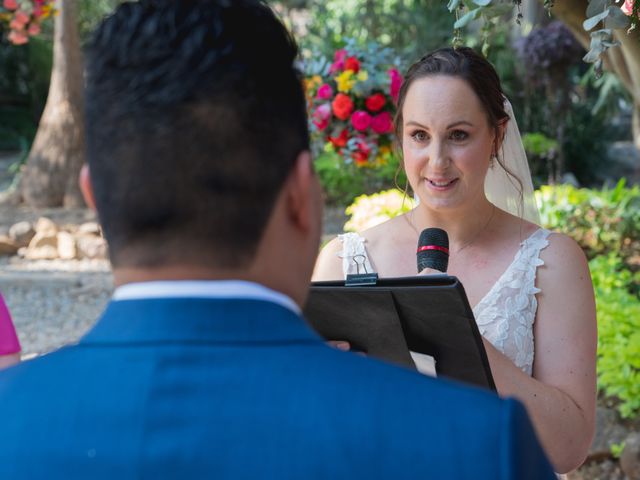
(396, 82)
(10, 4)
(382, 123)
(375, 102)
(361, 156)
(352, 63)
(342, 106)
(341, 140)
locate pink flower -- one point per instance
(325, 92)
(321, 116)
(10, 4)
(382, 123)
(22, 17)
(338, 61)
(627, 8)
(18, 38)
(16, 25)
(396, 83)
(34, 29)
(360, 120)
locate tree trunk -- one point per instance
(623, 60)
(50, 175)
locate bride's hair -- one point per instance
(469, 65)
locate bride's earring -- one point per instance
(493, 160)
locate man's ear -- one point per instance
(301, 196)
(84, 180)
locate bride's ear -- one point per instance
(501, 131)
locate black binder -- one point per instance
(388, 317)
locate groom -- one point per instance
(201, 365)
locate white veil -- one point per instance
(502, 189)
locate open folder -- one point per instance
(390, 317)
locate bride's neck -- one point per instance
(462, 226)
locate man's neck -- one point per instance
(127, 275)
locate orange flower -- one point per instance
(342, 106)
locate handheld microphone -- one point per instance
(433, 250)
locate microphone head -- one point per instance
(433, 250)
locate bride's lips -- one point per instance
(441, 184)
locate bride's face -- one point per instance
(447, 142)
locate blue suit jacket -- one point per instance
(199, 388)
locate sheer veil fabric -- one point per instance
(502, 189)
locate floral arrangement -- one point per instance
(24, 18)
(351, 102)
(370, 210)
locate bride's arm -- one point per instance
(561, 396)
(329, 265)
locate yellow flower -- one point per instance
(345, 81)
(363, 76)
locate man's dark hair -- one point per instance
(195, 114)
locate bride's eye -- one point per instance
(419, 135)
(459, 135)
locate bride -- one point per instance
(530, 288)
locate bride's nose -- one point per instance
(438, 156)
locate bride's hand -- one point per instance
(431, 271)
(344, 346)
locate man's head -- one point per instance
(196, 121)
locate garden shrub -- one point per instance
(618, 312)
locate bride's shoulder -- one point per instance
(386, 232)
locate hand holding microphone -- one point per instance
(433, 251)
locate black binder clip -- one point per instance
(360, 279)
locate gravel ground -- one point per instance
(54, 302)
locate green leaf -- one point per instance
(589, 23)
(497, 10)
(467, 17)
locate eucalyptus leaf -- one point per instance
(453, 4)
(482, 3)
(597, 6)
(467, 17)
(589, 23)
(616, 18)
(603, 34)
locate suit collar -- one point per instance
(198, 320)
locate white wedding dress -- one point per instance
(506, 314)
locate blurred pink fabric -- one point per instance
(8, 338)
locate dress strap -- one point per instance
(354, 254)
(530, 256)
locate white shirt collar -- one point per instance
(203, 289)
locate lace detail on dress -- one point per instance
(354, 254)
(506, 314)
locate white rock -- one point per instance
(90, 246)
(22, 233)
(45, 225)
(66, 246)
(44, 252)
(89, 227)
(44, 239)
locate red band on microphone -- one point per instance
(433, 247)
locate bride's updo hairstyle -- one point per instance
(467, 64)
